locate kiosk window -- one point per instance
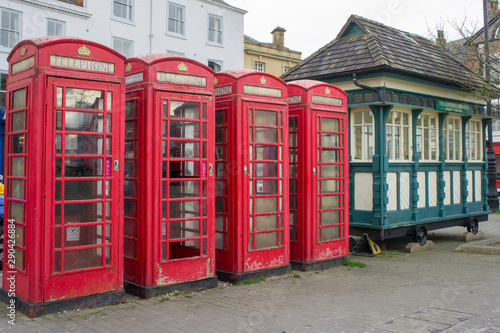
(363, 144)
(427, 137)
(473, 140)
(452, 136)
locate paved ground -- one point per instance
(433, 291)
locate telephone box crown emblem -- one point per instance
(128, 69)
(23, 52)
(215, 81)
(263, 80)
(182, 67)
(327, 91)
(84, 51)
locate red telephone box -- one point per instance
(169, 182)
(251, 199)
(319, 178)
(64, 175)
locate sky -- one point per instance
(312, 24)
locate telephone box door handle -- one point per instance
(314, 171)
(117, 165)
(245, 170)
(210, 169)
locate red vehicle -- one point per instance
(64, 175)
(319, 176)
(169, 182)
(251, 145)
(496, 146)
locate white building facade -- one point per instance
(208, 31)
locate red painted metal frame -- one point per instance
(37, 282)
(188, 81)
(496, 147)
(306, 247)
(236, 253)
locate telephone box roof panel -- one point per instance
(169, 68)
(68, 53)
(249, 82)
(316, 92)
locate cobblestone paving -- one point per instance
(429, 291)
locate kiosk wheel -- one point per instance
(420, 236)
(473, 227)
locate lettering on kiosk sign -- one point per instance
(183, 79)
(82, 64)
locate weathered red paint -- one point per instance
(160, 217)
(53, 177)
(251, 172)
(310, 104)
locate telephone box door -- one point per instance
(187, 216)
(331, 170)
(83, 142)
(267, 205)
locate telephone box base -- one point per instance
(238, 277)
(316, 265)
(148, 292)
(81, 303)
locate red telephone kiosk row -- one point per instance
(185, 177)
(169, 182)
(64, 175)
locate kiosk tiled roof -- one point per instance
(365, 46)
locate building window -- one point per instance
(124, 46)
(10, 28)
(3, 89)
(474, 140)
(398, 136)
(56, 28)
(78, 3)
(259, 66)
(123, 9)
(176, 19)
(427, 137)
(175, 53)
(362, 134)
(215, 65)
(215, 29)
(451, 136)
(286, 69)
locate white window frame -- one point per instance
(362, 135)
(216, 62)
(129, 14)
(398, 136)
(427, 130)
(215, 31)
(3, 89)
(259, 66)
(175, 53)
(56, 23)
(11, 30)
(178, 21)
(452, 125)
(123, 42)
(474, 139)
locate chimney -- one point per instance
(440, 40)
(493, 10)
(278, 37)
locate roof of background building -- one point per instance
(364, 46)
